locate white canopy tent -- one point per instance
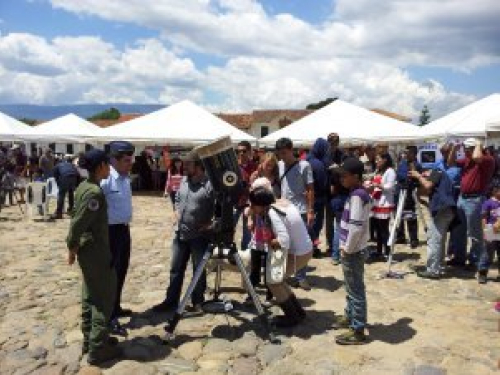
(183, 124)
(355, 125)
(12, 129)
(473, 120)
(69, 128)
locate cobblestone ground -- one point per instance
(416, 326)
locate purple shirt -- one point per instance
(491, 211)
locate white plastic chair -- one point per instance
(36, 198)
(52, 188)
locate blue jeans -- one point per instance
(436, 239)
(471, 208)
(319, 219)
(353, 267)
(246, 236)
(182, 250)
(336, 236)
(489, 255)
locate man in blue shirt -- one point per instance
(66, 176)
(118, 194)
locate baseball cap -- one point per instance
(117, 148)
(470, 142)
(352, 166)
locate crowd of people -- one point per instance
(287, 199)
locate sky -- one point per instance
(240, 55)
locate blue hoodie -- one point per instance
(319, 158)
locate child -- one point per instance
(491, 216)
(88, 239)
(354, 233)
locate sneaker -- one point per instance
(112, 341)
(104, 354)
(335, 262)
(428, 275)
(340, 322)
(304, 284)
(352, 338)
(482, 277)
(414, 244)
(399, 241)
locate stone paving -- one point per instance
(416, 326)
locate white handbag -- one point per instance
(276, 265)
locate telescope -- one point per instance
(222, 169)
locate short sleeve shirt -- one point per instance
(476, 176)
(491, 211)
(294, 183)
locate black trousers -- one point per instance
(382, 234)
(257, 263)
(119, 243)
(412, 225)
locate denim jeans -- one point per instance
(246, 236)
(471, 208)
(182, 250)
(336, 236)
(489, 255)
(66, 185)
(353, 267)
(319, 219)
(436, 238)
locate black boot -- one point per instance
(103, 354)
(291, 316)
(301, 313)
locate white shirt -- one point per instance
(290, 230)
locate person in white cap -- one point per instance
(477, 171)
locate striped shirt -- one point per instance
(354, 230)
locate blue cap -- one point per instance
(92, 159)
(117, 148)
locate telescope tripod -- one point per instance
(395, 224)
(222, 304)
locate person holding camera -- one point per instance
(438, 186)
(284, 229)
(194, 210)
(477, 171)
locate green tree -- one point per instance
(321, 104)
(28, 121)
(108, 114)
(425, 116)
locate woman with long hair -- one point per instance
(269, 169)
(382, 188)
(174, 178)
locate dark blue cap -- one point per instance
(118, 148)
(92, 159)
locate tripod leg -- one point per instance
(395, 224)
(172, 323)
(255, 299)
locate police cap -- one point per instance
(120, 148)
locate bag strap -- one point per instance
(288, 170)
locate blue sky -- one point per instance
(245, 54)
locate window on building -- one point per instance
(69, 149)
(264, 130)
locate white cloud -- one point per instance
(87, 69)
(454, 33)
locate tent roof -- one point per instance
(12, 129)
(69, 127)
(469, 121)
(354, 125)
(182, 123)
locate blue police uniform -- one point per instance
(118, 195)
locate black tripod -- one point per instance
(226, 248)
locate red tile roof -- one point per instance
(246, 120)
(391, 114)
